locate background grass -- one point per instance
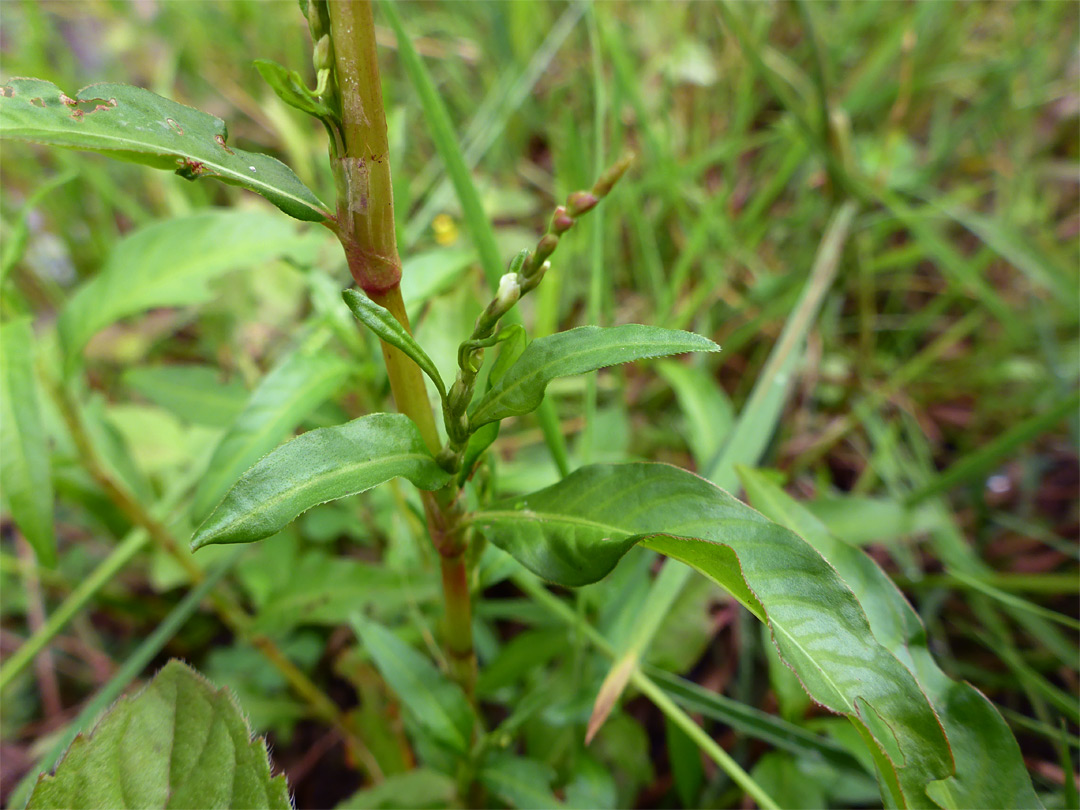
(924, 417)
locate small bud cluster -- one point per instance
(524, 275)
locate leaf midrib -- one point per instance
(526, 515)
(223, 171)
(340, 470)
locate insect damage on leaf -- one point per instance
(133, 124)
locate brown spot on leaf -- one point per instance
(6, 91)
(37, 102)
(221, 142)
(67, 100)
(77, 114)
(172, 123)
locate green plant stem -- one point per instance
(366, 230)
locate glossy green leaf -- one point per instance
(437, 704)
(574, 533)
(382, 322)
(288, 393)
(577, 351)
(168, 264)
(179, 743)
(319, 466)
(24, 450)
(990, 771)
(194, 393)
(133, 124)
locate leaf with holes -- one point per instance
(575, 532)
(319, 466)
(577, 351)
(179, 743)
(133, 124)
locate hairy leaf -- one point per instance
(574, 533)
(288, 393)
(133, 124)
(577, 351)
(24, 451)
(990, 770)
(382, 322)
(179, 743)
(168, 264)
(436, 703)
(319, 466)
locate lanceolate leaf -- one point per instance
(382, 322)
(577, 351)
(168, 264)
(132, 124)
(178, 743)
(990, 770)
(319, 466)
(288, 393)
(574, 533)
(24, 452)
(436, 702)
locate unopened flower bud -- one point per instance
(534, 280)
(561, 222)
(509, 292)
(544, 248)
(322, 58)
(611, 176)
(581, 202)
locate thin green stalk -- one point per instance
(58, 619)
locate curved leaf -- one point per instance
(577, 351)
(990, 770)
(179, 743)
(319, 466)
(574, 533)
(24, 451)
(437, 703)
(289, 392)
(133, 124)
(383, 323)
(168, 264)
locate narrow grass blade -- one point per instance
(978, 464)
